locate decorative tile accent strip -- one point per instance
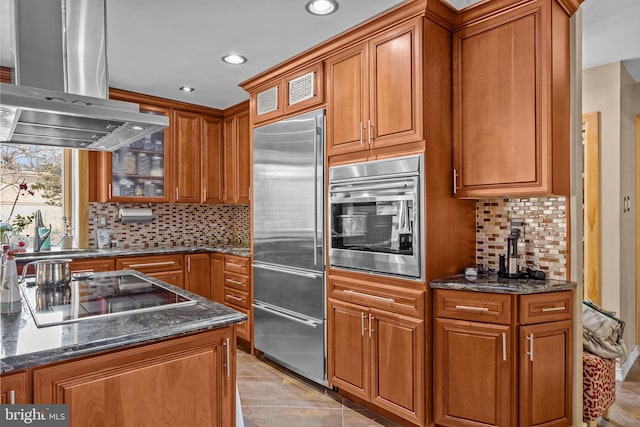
(175, 225)
(544, 243)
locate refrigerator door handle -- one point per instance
(282, 270)
(279, 313)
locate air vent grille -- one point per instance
(301, 88)
(267, 101)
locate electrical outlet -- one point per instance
(102, 221)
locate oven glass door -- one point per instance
(375, 226)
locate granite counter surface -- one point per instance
(493, 284)
(118, 252)
(26, 345)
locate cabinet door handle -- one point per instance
(361, 132)
(228, 357)
(189, 264)
(362, 324)
(548, 309)
(504, 346)
(109, 191)
(205, 195)
(153, 264)
(370, 324)
(349, 291)
(369, 131)
(455, 181)
(177, 194)
(469, 308)
(12, 397)
(530, 353)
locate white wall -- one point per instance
(610, 90)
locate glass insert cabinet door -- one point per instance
(139, 171)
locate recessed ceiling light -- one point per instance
(321, 7)
(234, 59)
(186, 89)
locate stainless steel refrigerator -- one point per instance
(288, 243)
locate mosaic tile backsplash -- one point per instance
(544, 243)
(175, 225)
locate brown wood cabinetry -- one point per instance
(15, 388)
(511, 100)
(502, 360)
(197, 274)
(212, 160)
(374, 92)
(93, 265)
(192, 380)
(186, 174)
(232, 286)
(168, 268)
(377, 354)
(237, 157)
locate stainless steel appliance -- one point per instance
(375, 216)
(288, 249)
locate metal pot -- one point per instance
(50, 273)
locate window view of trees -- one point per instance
(31, 179)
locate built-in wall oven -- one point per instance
(376, 211)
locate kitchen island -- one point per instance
(172, 366)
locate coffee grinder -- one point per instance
(512, 254)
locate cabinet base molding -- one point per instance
(368, 405)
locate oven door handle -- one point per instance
(405, 185)
(407, 197)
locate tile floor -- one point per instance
(270, 397)
(626, 410)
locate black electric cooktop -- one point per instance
(90, 297)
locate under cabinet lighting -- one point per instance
(321, 7)
(186, 89)
(234, 59)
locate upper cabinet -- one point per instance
(237, 157)
(212, 160)
(374, 91)
(293, 92)
(187, 131)
(139, 172)
(511, 102)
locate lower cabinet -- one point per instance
(502, 360)
(232, 286)
(197, 274)
(168, 268)
(14, 388)
(378, 356)
(186, 381)
(93, 265)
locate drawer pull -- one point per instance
(234, 282)
(88, 270)
(153, 264)
(548, 309)
(349, 291)
(230, 264)
(233, 297)
(469, 308)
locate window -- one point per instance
(31, 179)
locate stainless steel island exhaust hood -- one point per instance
(61, 80)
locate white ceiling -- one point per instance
(156, 46)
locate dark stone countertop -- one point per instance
(26, 345)
(493, 284)
(117, 252)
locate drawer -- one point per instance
(237, 264)
(243, 330)
(474, 306)
(92, 265)
(387, 297)
(547, 307)
(236, 297)
(236, 281)
(146, 264)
